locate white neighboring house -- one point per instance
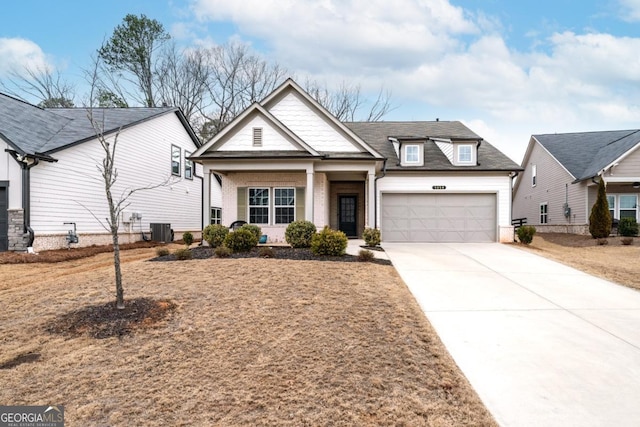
(49, 174)
(287, 158)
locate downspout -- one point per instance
(478, 147)
(26, 199)
(375, 193)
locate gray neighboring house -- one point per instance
(49, 175)
(559, 185)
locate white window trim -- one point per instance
(268, 205)
(284, 206)
(271, 205)
(406, 154)
(545, 214)
(216, 219)
(534, 175)
(617, 208)
(458, 154)
(190, 165)
(173, 147)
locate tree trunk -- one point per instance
(118, 271)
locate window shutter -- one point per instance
(242, 204)
(299, 203)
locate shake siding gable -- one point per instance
(272, 138)
(309, 125)
(72, 190)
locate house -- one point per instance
(559, 185)
(49, 176)
(287, 158)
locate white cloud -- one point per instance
(18, 53)
(630, 10)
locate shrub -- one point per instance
(254, 229)
(214, 234)
(329, 242)
(222, 251)
(266, 252)
(600, 217)
(371, 236)
(241, 240)
(628, 227)
(525, 234)
(627, 241)
(162, 251)
(299, 234)
(603, 242)
(187, 237)
(365, 255)
(182, 254)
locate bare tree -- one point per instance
(43, 84)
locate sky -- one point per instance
(507, 69)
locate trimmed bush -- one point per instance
(266, 252)
(329, 242)
(241, 240)
(365, 255)
(214, 234)
(257, 231)
(162, 252)
(600, 217)
(525, 234)
(299, 234)
(187, 237)
(628, 227)
(222, 251)
(627, 241)
(371, 236)
(182, 254)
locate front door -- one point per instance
(4, 217)
(347, 215)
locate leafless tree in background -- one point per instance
(43, 84)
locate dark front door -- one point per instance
(347, 214)
(4, 218)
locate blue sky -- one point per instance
(507, 69)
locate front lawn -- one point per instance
(249, 342)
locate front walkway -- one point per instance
(543, 344)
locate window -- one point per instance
(175, 160)
(216, 216)
(544, 213)
(534, 175)
(628, 206)
(284, 205)
(611, 200)
(412, 154)
(465, 153)
(188, 166)
(257, 137)
(259, 205)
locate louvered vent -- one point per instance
(257, 137)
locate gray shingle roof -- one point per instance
(34, 130)
(585, 154)
(377, 135)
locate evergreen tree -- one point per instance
(600, 218)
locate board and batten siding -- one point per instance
(10, 171)
(553, 186)
(72, 190)
(313, 128)
(272, 138)
(458, 183)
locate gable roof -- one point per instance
(37, 131)
(586, 154)
(377, 134)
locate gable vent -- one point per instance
(257, 137)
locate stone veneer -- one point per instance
(18, 239)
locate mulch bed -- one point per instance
(580, 240)
(106, 320)
(280, 252)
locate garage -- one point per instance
(452, 217)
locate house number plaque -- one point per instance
(439, 187)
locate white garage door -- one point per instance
(438, 217)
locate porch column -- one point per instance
(308, 196)
(206, 197)
(371, 199)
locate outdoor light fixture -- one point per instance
(636, 185)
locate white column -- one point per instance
(371, 198)
(206, 197)
(308, 196)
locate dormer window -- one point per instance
(412, 154)
(465, 153)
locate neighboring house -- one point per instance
(49, 175)
(287, 158)
(559, 185)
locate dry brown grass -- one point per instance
(613, 261)
(251, 342)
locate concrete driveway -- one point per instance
(543, 344)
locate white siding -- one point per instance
(272, 138)
(143, 158)
(314, 130)
(458, 183)
(553, 186)
(447, 149)
(216, 192)
(628, 167)
(10, 171)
